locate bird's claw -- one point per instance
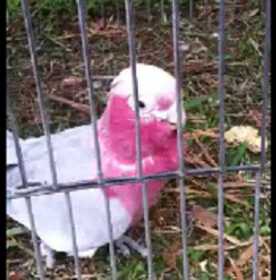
(125, 242)
(48, 254)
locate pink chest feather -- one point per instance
(117, 137)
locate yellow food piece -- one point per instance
(244, 134)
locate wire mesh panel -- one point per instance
(28, 190)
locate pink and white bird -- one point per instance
(75, 159)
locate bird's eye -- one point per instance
(141, 104)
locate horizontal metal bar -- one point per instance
(36, 188)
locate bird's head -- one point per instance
(157, 93)
(157, 110)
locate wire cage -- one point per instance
(28, 190)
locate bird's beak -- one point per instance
(172, 116)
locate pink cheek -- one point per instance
(164, 104)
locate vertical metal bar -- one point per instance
(191, 9)
(265, 92)
(221, 227)
(73, 235)
(22, 171)
(41, 99)
(221, 70)
(139, 166)
(265, 84)
(44, 116)
(102, 11)
(147, 230)
(88, 74)
(162, 11)
(209, 19)
(117, 5)
(256, 226)
(132, 57)
(149, 9)
(34, 239)
(180, 140)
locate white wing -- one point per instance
(75, 161)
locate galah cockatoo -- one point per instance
(75, 159)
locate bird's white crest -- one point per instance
(153, 84)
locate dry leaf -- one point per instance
(253, 13)
(244, 134)
(212, 133)
(171, 254)
(72, 81)
(204, 217)
(245, 256)
(14, 275)
(255, 117)
(215, 232)
(236, 270)
(214, 247)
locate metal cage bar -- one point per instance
(180, 142)
(40, 95)
(265, 84)
(221, 94)
(139, 164)
(265, 92)
(73, 235)
(256, 225)
(149, 9)
(46, 129)
(191, 9)
(88, 75)
(36, 188)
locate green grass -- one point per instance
(53, 8)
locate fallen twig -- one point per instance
(215, 232)
(81, 107)
(205, 152)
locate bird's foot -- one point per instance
(48, 254)
(125, 243)
(122, 248)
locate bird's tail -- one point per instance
(11, 165)
(11, 158)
